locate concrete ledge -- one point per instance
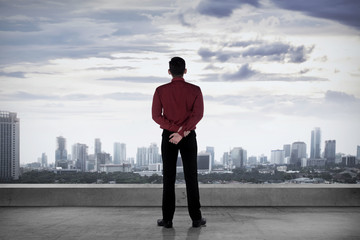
(212, 195)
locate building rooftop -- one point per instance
(130, 211)
(108, 223)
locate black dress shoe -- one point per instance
(165, 224)
(199, 223)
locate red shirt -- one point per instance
(178, 104)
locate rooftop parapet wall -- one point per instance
(212, 195)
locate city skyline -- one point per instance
(270, 71)
(311, 151)
(305, 152)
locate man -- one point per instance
(177, 107)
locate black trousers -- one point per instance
(188, 150)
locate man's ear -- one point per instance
(185, 71)
(169, 72)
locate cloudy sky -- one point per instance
(270, 71)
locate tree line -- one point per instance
(238, 175)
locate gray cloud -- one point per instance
(21, 25)
(149, 79)
(243, 43)
(39, 31)
(118, 96)
(182, 20)
(340, 97)
(222, 8)
(299, 54)
(26, 96)
(221, 56)
(121, 96)
(13, 74)
(343, 11)
(276, 51)
(279, 52)
(333, 104)
(244, 72)
(206, 53)
(112, 68)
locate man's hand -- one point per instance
(186, 133)
(175, 138)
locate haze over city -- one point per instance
(270, 71)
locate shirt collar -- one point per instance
(177, 79)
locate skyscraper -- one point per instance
(252, 161)
(315, 147)
(61, 153)
(298, 153)
(263, 159)
(226, 160)
(80, 155)
(358, 152)
(97, 148)
(9, 146)
(97, 152)
(349, 161)
(287, 150)
(141, 157)
(44, 160)
(330, 151)
(204, 162)
(238, 157)
(153, 154)
(277, 156)
(102, 159)
(211, 150)
(119, 153)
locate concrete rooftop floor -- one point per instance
(107, 223)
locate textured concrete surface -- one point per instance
(213, 195)
(107, 223)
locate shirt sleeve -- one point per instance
(158, 117)
(196, 115)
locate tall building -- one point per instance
(211, 150)
(80, 155)
(298, 153)
(348, 161)
(278, 156)
(141, 157)
(315, 147)
(263, 159)
(252, 161)
(119, 153)
(287, 150)
(330, 151)
(238, 157)
(97, 148)
(153, 154)
(358, 152)
(226, 160)
(61, 153)
(9, 146)
(44, 160)
(204, 162)
(102, 159)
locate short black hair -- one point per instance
(177, 66)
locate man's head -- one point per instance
(177, 67)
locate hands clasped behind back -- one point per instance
(175, 138)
